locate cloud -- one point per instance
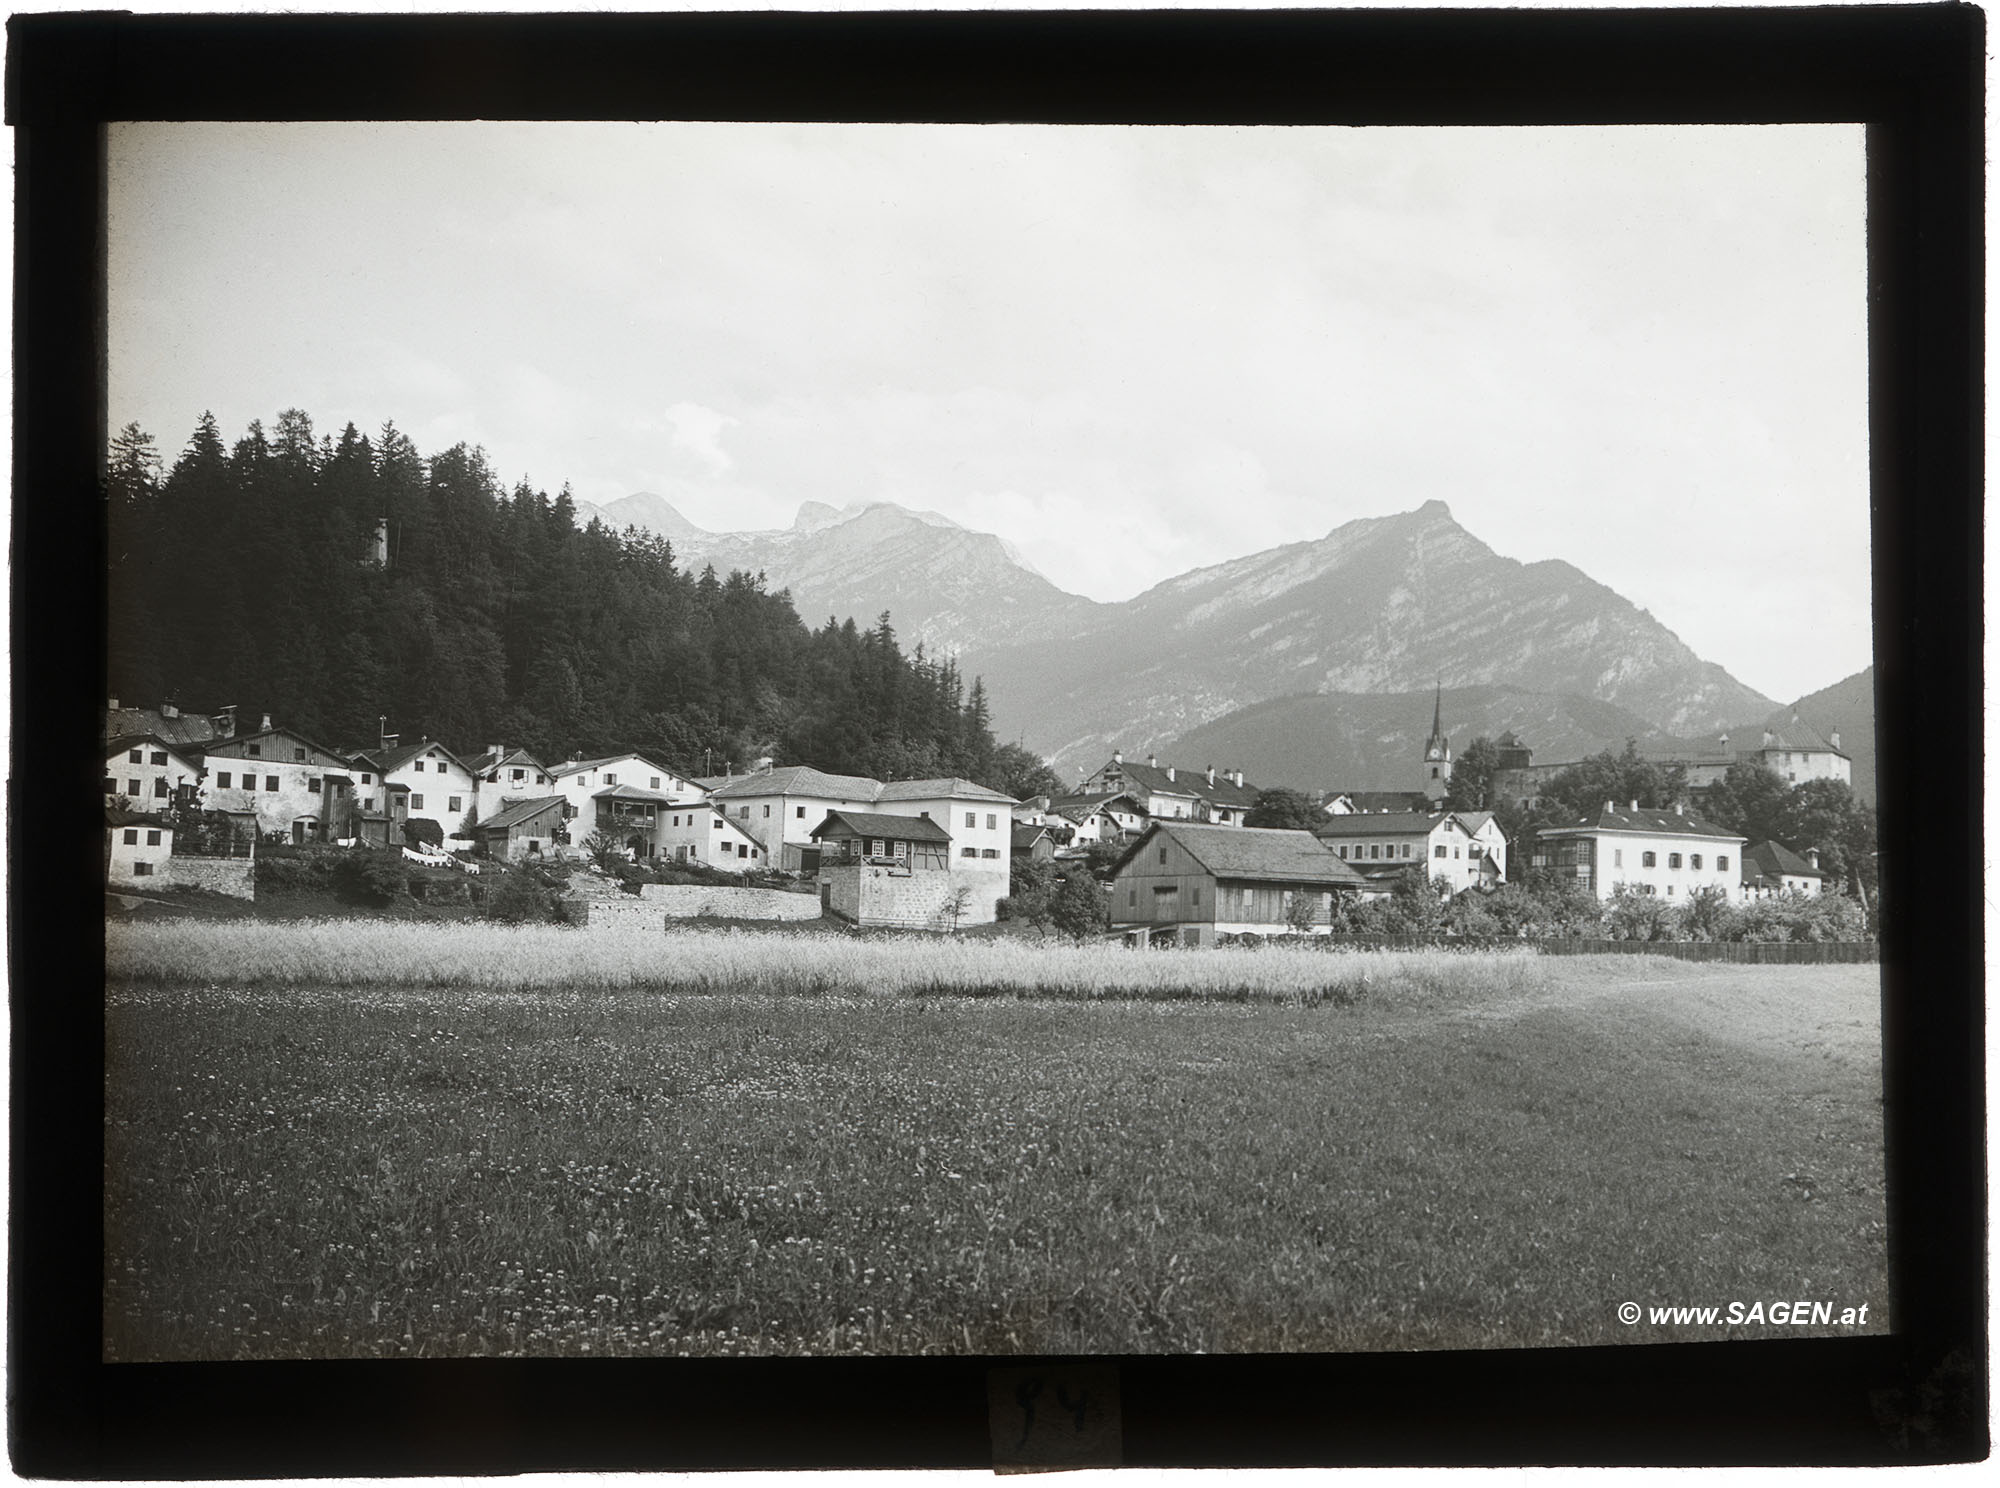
(698, 430)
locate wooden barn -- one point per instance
(1194, 882)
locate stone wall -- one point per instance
(874, 896)
(232, 876)
(622, 913)
(683, 901)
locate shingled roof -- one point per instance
(798, 780)
(1259, 854)
(1222, 791)
(879, 824)
(516, 812)
(1775, 859)
(1643, 820)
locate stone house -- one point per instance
(288, 783)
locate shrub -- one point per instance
(421, 831)
(518, 899)
(371, 877)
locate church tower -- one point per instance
(1437, 754)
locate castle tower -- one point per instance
(1437, 754)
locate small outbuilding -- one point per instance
(523, 829)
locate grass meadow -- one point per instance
(345, 1140)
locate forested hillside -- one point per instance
(246, 575)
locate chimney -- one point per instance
(1834, 738)
(1170, 774)
(111, 706)
(1117, 756)
(1677, 808)
(1768, 738)
(169, 708)
(265, 726)
(1237, 776)
(1812, 856)
(1610, 806)
(1635, 805)
(225, 721)
(1152, 761)
(1211, 774)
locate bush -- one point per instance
(518, 899)
(370, 876)
(421, 831)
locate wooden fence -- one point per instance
(1754, 952)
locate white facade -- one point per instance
(287, 783)
(146, 772)
(515, 778)
(579, 781)
(139, 852)
(697, 832)
(1651, 852)
(981, 822)
(440, 785)
(1454, 846)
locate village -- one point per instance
(1172, 850)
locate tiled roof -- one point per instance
(1380, 802)
(1026, 835)
(125, 742)
(516, 812)
(1789, 731)
(631, 793)
(1222, 790)
(1775, 859)
(1094, 800)
(1645, 821)
(387, 760)
(879, 824)
(194, 731)
(952, 786)
(571, 767)
(1272, 854)
(482, 764)
(798, 780)
(1378, 824)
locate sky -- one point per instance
(1129, 351)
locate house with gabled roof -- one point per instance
(1670, 853)
(1465, 848)
(698, 832)
(524, 830)
(137, 845)
(778, 808)
(621, 795)
(1795, 751)
(1090, 811)
(420, 781)
(148, 772)
(1771, 868)
(1171, 793)
(1191, 882)
(501, 775)
(290, 784)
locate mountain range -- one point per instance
(1313, 662)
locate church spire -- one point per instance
(1437, 752)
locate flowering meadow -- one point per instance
(344, 1141)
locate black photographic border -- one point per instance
(1912, 74)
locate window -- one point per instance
(110, 786)
(131, 836)
(874, 847)
(656, 782)
(1194, 897)
(136, 756)
(743, 813)
(1649, 860)
(1438, 851)
(1722, 862)
(249, 781)
(270, 782)
(1694, 860)
(924, 814)
(456, 803)
(1132, 897)
(989, 852)
(131, 787)
(902, 849)
(152, 839)
(1343, 853)
(972, 818)
(1375, 850)
(312, 784)
(142, 870)
(298, 756)
(1673, 861)
(1617, 857)
(366, 778)
(742, 850)
(160, 786)
(159, 756)
(968, 852)
(1163, 855)
(222, 780)
(416, 803)
(799, 812)
(767, 813)
(518, 774)
(610, 779)
(417, 765)
(255, 751)
(1406, 849)
(992, 818)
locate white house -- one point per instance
(424, 780)
(1466, 848)
(501, 775)
(136, 846)
(698, 832)
(1671, 853)
(1794, 751)
(288, 783)
(148, 772)
(584, 784)
(1171, 793)
(778, 809)
(1771, 868)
